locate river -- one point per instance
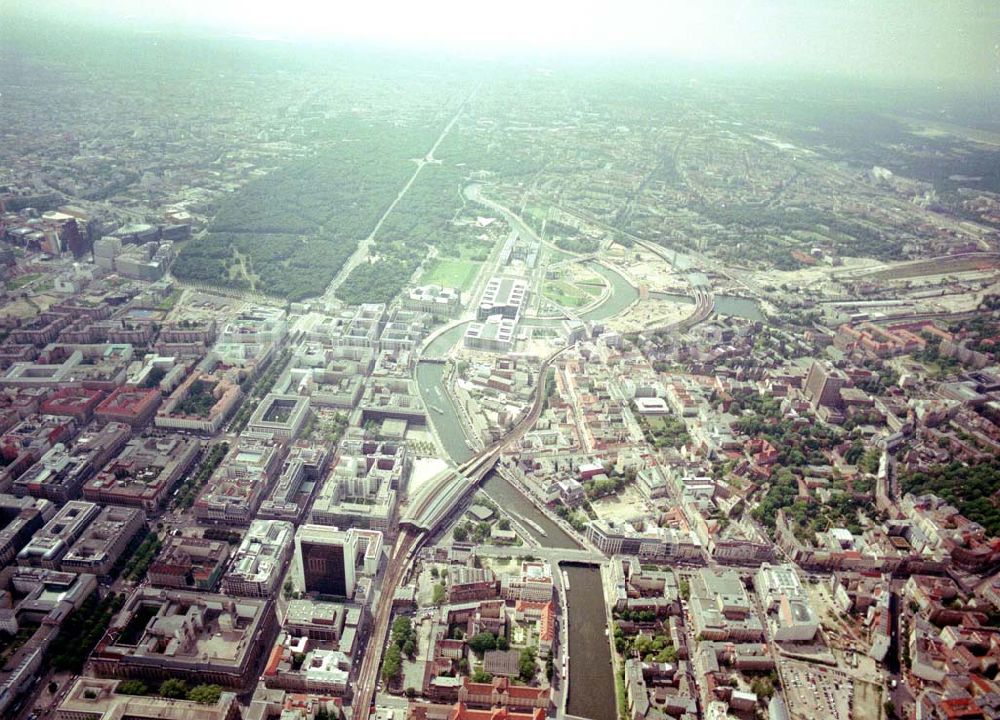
(591, 676)
(729, 305)
(514, 502)
(447, 425)
(444, 342)
(623, 294)
(591, 682)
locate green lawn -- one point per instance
(556, 255)
(536, 211)
(472, 251)
(591, 288)
(476, 252)
(19, 282)
(451, 273)
(563, 293)
(167, 304)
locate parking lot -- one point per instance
(814, 692)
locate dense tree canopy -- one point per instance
(289, 232)
(970, 488)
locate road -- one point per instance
(473, 192)
(362, 250)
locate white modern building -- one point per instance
(532, 582)
(787, 605)
(259, 564)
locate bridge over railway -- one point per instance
(428, 512)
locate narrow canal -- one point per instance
(591, 676)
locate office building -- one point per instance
(823, 385)
(328, 561)
(130, 405)
(259, 563)
(280, 416)
(97, 699)
(103, 542)
(144, 473)
(189, 562)
(532, 581)
(48, 546)
(194, 636)
(495, 334)
(786, 603)
(503, 296)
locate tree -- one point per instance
(402, 630)
(504, 524)
(174, 688)
(439, 594)
(409, 648)
(502, 643)
(53, 686)
(526, 664)
(205, 694)
(762, 688)
(392, 665)
(480, 676)
(460, 533)
(482, 642)
(131, 687)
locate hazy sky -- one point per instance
(939, 40)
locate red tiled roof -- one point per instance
(960, 708)
(461, 712)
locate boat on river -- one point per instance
(534, 526)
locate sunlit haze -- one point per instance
(524, 359)
(891, 39)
